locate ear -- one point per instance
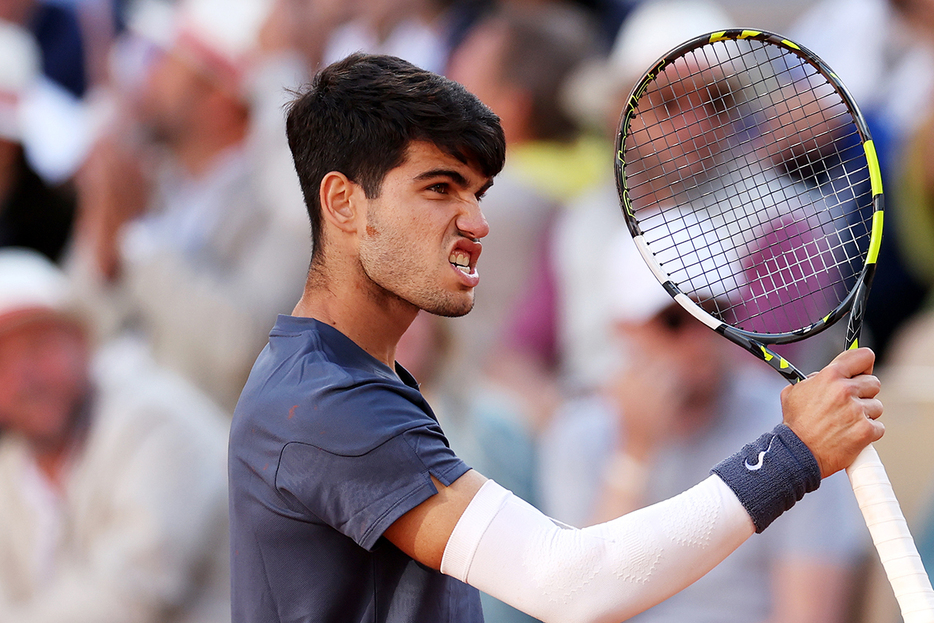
(341, 200)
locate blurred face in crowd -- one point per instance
(678, 115)
(690, 357)
(16, 11)
(173, 91)
(475, 64)
(43, 378)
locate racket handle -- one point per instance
(890, 535)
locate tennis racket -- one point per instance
(750, 185)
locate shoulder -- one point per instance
(312, 384)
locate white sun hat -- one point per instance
(652, 29)
(634, 294)
(31, 285)
(18, 73)
(219, 37)
(36, 112)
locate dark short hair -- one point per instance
(360, 114)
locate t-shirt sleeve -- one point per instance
(362, 494)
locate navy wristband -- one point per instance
(770, 474)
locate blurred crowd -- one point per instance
(152, 227)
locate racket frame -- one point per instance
(853, 303)
(887, 526)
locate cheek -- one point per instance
(51, 375)
(69, 371)
(701, 357)
(400, 236)
(10, 388)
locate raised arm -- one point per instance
(480, 533)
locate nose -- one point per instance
(471, 221)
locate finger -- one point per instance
(878, 429)
(872, 408)
(867, 386)
(854, 362)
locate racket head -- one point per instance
(749, 182)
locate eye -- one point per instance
(440, 187)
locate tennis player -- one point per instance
(347, 504)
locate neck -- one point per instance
(52, 456)
(197, 154)
(374, 319)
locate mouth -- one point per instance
(464, 256)
(461, 260)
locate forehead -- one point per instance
(422, 157)
(30, 324)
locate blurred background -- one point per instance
(144, 167)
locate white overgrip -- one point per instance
(891, 537)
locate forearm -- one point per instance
(607, 572)
(617, 569)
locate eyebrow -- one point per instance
(455, 176)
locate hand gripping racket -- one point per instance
(750, 185)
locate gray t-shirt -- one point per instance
(328, 447)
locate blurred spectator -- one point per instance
(912, 184)
(290, 45)
(883, 50)
(112, 471)
(596, 94)
(58, 32)
(304, 27)
(32, 214)
(416, 30)
(622, 448)
(516, 61)
(912, 191)
(201, 263)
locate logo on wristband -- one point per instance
(758, 465)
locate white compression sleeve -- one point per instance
(606, 573)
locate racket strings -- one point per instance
(747, 176)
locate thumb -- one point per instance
(854, 362)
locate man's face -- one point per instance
(691, 356)
(43, 378)
(421, 242)
(681, 128)
(17, 11)
(475, 62)
(171, 92)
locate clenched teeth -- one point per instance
(461, 261)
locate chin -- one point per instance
(450, 308)
(449, 312)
